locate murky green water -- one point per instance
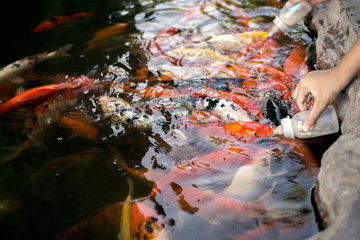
(55, 175)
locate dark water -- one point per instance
(53, 177)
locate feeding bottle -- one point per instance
(289, 16)
(327, 123)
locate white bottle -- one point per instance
(289, 16)
(327, 123)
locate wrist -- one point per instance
(342, 77)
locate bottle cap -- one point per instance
(280, 24)
(287, 127)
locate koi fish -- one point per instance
(31, 96)
(267, 52)
(153, 91)
(249, 181)
(125, 228)
(179, 189)
(225, 110)
(146, 223)
(8, 206)
(63, 19)
(145, 174)
(273, 72)
(106, 33)
(122, 112)
(78, 125)
(248, 128)
(14, 69)
(245, 103)
(234, 42)
(295, 64)
(106, 219)
(61, 164)
(197, 53)
(38, 94)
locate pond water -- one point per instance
(167, 161)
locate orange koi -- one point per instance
(106, 33)
(278, 84)
(153, 91)
(156, 44)
(144, 73)
(250, 50)
(239, 70)
(63, 19)
(31, 96)
(295, 64)
(78, 125)
(273, 72)
(248, 128)
(39, 94)
(267, 52)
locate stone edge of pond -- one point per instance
(337, 191)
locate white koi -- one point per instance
(232, 42)
(197, 53)
(224, 109)
(14, 69)
(122, 112)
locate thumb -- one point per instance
(291, 3)
(314, 114)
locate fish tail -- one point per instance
(125, 232)
(61, 52)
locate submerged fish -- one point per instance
(60, 20)
(125, 228)
(198, 53)
(41, 93)
(14, 69)
(106, 34)
(236, 41)
(121, 111)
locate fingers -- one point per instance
(302, 97)
(291, 3)
(315, 112)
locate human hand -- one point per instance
(291, 3)
(323, 86)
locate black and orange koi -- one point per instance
(63, 19)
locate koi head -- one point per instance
(122, 112)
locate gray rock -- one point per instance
(337, 195)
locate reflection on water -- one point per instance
(135, 138)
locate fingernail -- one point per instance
(306, 128)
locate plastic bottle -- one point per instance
(327, 123)
(289, 16)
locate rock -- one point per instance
(337, 192)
